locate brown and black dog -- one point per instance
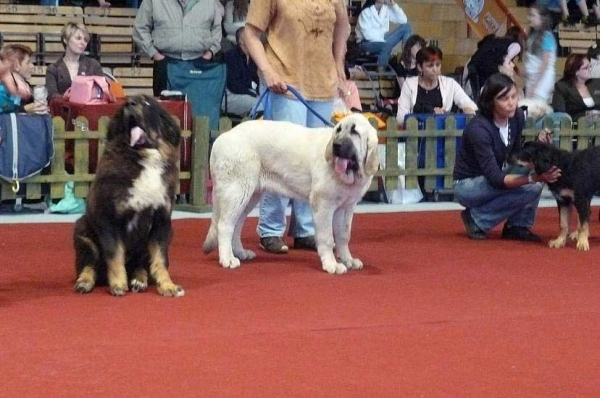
(124, 236)
(579, 180)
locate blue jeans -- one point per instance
(490, 206)
(384, 48)
(272, 220)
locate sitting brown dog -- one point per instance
(125, 233)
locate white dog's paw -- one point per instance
(244, 254)
(334, 268)
(353, 263)
(557, 243)
(574, 235)
(231, 263)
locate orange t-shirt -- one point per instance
(299, 43)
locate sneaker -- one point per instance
(274, 244)
(519, 233)
(473, 231)
(306, 243)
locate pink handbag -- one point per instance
(89, 90)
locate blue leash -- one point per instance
(266, 97)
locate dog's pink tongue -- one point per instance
(341, 165)
(136, 134)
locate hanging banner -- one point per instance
(483, 16)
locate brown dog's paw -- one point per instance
(118, 290)
(557, 243)
(138, 286)
(83, 286)
(171, 290)
(583, 245)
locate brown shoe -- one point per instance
(274, 244)
(305, 243)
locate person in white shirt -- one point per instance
(430, 92)
(373, 28)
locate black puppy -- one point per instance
(125, 233)
(579, 180)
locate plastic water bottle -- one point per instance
(40, 95)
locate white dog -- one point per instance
(331, 168)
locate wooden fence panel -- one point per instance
(568, 138)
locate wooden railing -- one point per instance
(194, 176)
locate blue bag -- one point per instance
(26, 145)
(203, 83)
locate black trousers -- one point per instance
(159, 76)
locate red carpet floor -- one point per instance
(432, 314)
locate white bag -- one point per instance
(400, 195)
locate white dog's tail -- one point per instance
(211, 242)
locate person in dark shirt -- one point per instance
(242, 78)
(482, 183)
(576, 93)
(407, 64)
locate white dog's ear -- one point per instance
(372, 161)
(329, 149)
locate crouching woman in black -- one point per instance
(481, 182)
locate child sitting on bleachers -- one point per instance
(16, 94)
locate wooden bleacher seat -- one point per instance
(577, 38)
(112, 29)
(137, 80)
(37, 27)
(370, 89)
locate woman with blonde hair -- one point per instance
(59, 76)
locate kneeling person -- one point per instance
(481, 182)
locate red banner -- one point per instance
(483, 16)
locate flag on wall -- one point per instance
(483, 16)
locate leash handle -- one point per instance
(265, 96)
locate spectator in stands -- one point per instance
(559, 11)
(430, 92)
(242, 78)
(236, 12)
(576, 93)
(593, 55)
(540, 55)
(305, 47)
(490, 193)
(493, 54)
(121, 3)
(177, 30)
(373, 28)
(407, 66)
(16, 93)
(59, 76)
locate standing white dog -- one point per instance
(331, 168)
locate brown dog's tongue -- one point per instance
(137, 134)
(341, 165)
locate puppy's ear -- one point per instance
(372, 160)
